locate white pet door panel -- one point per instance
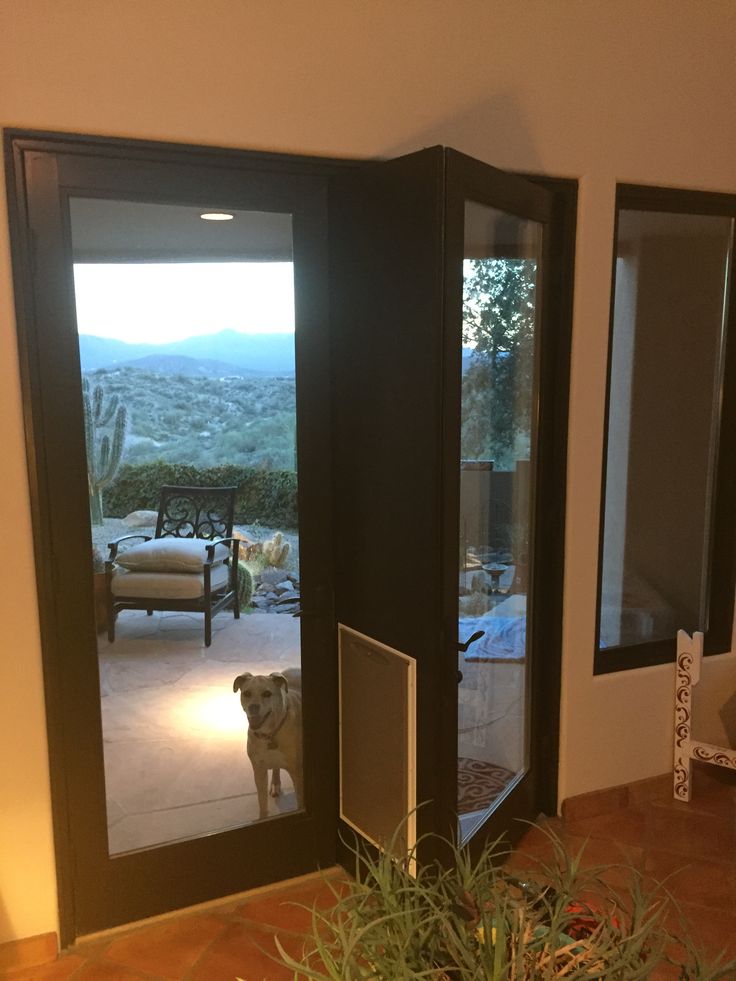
(377, 741)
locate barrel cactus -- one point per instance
(245, 586)
(105, 424)
(275, 550)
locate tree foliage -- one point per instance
(498, 324)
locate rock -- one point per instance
(290, 607)
(289, 594)
(140, 519)
(271, 576)
(248, 548)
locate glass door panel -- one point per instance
(501, 284)
(186, 333)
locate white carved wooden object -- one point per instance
(687, 749)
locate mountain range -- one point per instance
(208, 355)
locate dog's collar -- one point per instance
(271, 736)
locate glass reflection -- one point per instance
(186, 335)
(500, 286)
(670, 299)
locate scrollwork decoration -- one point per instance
(193, 516)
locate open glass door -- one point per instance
(452, 402)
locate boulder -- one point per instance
(141, 519)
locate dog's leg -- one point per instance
(260, 775)
(275, 790)
(298, 781)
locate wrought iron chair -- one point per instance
(177, 569)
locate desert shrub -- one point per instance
(265, 496)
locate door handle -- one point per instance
(471, 640)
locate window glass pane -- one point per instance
(501, 281)
(671, 281)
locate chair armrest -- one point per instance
(113, 546)
(223, 541)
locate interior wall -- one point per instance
(633, 92)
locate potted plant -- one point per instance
(479, 920)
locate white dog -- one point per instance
(273, 705)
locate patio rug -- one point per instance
(479, 784)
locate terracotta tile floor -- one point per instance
(692, 844)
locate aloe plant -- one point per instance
(478, 921)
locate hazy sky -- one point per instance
(160, 302)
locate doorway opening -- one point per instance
(186, 340)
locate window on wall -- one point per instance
(667, 522)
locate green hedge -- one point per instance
(268, 497)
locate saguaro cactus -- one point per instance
(104, 450)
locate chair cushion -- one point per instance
(170, 555)
(164, 585)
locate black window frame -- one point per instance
(721, 566)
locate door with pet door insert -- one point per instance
(450, 475)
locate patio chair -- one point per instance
(190, 565)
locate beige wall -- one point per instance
(634, 91)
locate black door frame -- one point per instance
(96, 891)
(27, 152)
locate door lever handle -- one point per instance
(471, 640)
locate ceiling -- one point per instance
(134, 231)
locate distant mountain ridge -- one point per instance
(208, 355)
(180, 364)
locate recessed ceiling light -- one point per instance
(216, 216)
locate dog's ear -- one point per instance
(240, 681)
(279, 680)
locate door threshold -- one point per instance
(330, 874)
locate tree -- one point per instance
(498, 324)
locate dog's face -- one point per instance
(263, 698)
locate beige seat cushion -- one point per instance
(161, 585)
(170, 555)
